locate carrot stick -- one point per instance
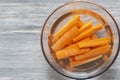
(85, 39)
(76, 44)
(65, 53)
(94, 42)
(61, 62)
(84, 61)
(79, 23)
(73, 22)
(85, 26)
(71, 59)
(70, 43)
(72, 46)
(95, 52)
(88, 32)
(93, 36)
(80, 40)
(65, 39)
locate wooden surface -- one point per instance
(20, 25)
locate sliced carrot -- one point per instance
(54, 40)
(68, 68)
(94, 42)
(61, 62)
(49, 39)
(65, 53)
(65, 39)
(88, 32)
(95, 52)
(73, 22)
(53, 55)
(78, 42)
(85, 39)
(93, 36)
(84, 61)
(67, 26)
(79, 23)
(85, 26)
(71, 44)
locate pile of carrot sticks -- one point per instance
(78, 42)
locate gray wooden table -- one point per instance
(20, 25)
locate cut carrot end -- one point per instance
(65, 39)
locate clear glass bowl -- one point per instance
(87, 11)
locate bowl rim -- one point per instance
(41, 38)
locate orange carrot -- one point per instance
(85, 26)
(65, 39)
(84, 61)
(93, 36)
(65, 53)
(88, 32)
(71, 59)
(73, 22)
(94, 42)
(72, 46)
(95, 52)
(76, 44)
(70, 43)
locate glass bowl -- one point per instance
(87, 11)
